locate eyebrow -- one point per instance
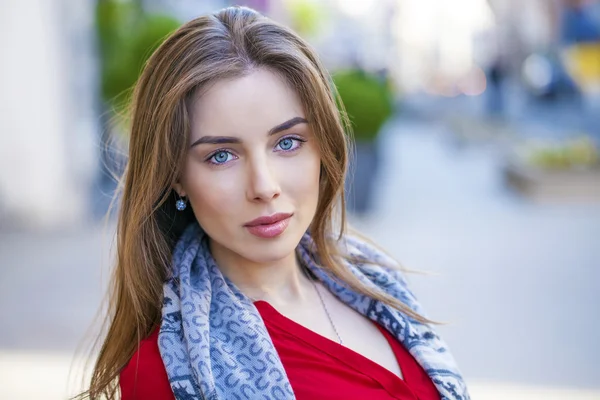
(230, 139)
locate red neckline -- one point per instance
(391, 382)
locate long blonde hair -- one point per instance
(231, 43)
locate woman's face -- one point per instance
(252, 155)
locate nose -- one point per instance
(263, 185)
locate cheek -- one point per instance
(211, 194)
(301, 177)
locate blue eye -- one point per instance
(286, 144)
(290, 144)
(220, 157)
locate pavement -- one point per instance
(517, 283)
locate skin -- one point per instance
(253, 153)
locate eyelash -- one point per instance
(300, 142)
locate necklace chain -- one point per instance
(327, 312)
(324, 308)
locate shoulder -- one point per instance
(144, 376)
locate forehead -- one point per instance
(248, 105)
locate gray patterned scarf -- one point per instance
(214, 343)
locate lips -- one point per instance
(269, 226)
(268, 220)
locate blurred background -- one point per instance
(477, 127)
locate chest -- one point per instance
(357, 332)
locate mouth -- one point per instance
(269, 226)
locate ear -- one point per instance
(179, 189)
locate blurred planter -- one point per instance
(368, 102)
(569, 171)
(361, 179)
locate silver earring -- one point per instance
(181, 204)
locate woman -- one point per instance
(235, 278)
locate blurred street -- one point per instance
(514, 278)
(511, 279)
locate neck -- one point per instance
(280, 281)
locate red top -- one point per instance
(317, 367)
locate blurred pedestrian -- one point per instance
(579, 23)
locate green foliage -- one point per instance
(127, 38)
(367, 99)
(580, 152)
(306, 16)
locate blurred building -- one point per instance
(47, 115)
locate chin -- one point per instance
(261, 251)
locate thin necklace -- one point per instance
(324, 307)
(327, 312)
